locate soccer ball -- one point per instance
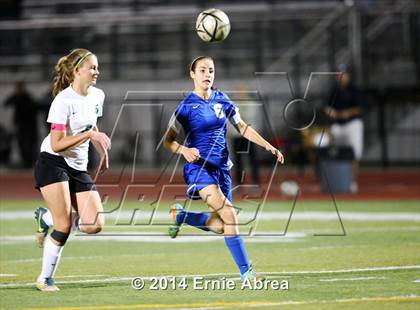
(289, 188)
(212, 25)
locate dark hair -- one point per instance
(194, 62)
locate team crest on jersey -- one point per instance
(218, 109)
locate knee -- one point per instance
(228, 215)
(218, 230)
(60, 237)
(215, 224)
(92, 228)
(63, 225)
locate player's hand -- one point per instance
(275, 152)
(333, 113)
(101, 139)
(104, 164)
(191, 155)
(345, 114)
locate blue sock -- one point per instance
(193, 219)
(237, 249)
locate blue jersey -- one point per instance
(204, 124)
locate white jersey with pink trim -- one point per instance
(79, 113)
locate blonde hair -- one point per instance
(65, 67)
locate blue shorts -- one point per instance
(197, 176)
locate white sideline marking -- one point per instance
(82, 276)
(367, 269)
(352, 279)
(106, 280)
(152, 237)
(365, 230)
(417, 281)
(144, 216)
(27, 260)
(212, 275)
(260, 237)
(31, 260)
(8, 275)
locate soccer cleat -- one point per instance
(250, 274)
(42, 227)
(46, 285)
(175, 226)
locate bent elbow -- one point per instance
(56, 147)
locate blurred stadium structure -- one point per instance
(146, 45)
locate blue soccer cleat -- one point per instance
(42, 227)
(175, 226)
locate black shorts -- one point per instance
(51, 169)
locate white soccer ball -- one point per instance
(212, 25)
(289, 188)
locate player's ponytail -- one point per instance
(65, 67)
(63, 76)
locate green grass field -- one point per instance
(373, 263)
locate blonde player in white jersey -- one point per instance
(60, 172)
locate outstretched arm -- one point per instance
(190, 154)
(249, 133)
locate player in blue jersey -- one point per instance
(202, 115)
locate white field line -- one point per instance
(326, 247)
(150, 237)
(145, 236)
(417, 281)
(95, 258)
(161, 237)
(32, 260)
(8, 275)
(85, 258)
(367, 269)
(352, 279)
(243, 217)
(214, 275)
(364, 229)
(82, 276)
(383, 228)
